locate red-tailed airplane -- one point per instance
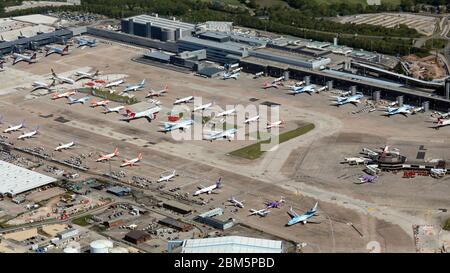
(62, 95)
(149, 114)
(95, 103)
(108, 156)
(132, 162)
(158, 93)
(267, 85)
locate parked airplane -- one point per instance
(85, 42)
(108, 156)
(134, 87)
(13, 128)
(235, 202)
(367, 179)
(227, 134)
(132, 162)
(24, 58)
(267, 85)
(295, 218)
(183, 100)
(274, 204)
(261, 212)
(61, 79)
(278, 79)
(84, 75)
(305, 89)
(258, 75)
(209, 189)
(29, 134)
(180, 125)
(226, 113)
(42, 85)
(95, 103)
(167, 178)
(62, 95)
(227, 76)
(65, 146)
(356, 160)
(82, 100)
(158, 93)
(62, 51)
(252, 119)
(279, 124)
(114, 109)
(149, 114)
(404, 110)
(352, 99)
(203, 107)
(441, 123)
(113, 84)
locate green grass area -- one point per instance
(254, 151)
(105, 94)
(82, 221)
(435, 44)
(447, 225)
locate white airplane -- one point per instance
(84, 75)
(181, 125)
(441, 123)
(132, 162)
(134, 87)
(296, 218)
(82, 100)
(65, 146)
(114, 109)
(24, 58)
(278, 79)
(42, 85)
(209, 189)
(227, 76)
(261, 212)
(57, 95)
(404, 110)
(167, 177)
(235, 202)
(95, 103)
(29, 134)
(202, 107)
(228, 134)
(258, 75)
(252, 119)
(305, 89)
(149, 114)
(114, 84)
(62, 51)
(61, 79)
(226, 113)
(279, 124)
(183, 100)
(13, 128)
(108, 156)
(352, 99)
(158, 93)
(356, 160)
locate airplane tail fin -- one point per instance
(143, 82)
(53, 72)
(139, 156)
(130, 113)
(66, 49)
(33, 57)
(219, 182)
(116, 151)
(314, 209)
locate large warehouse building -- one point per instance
(155, 27)
(15, 180)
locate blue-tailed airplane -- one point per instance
(227, 134)
(181, 125)
(82, 100)
(352, 99)
(303, 218)
(61, 51)
(134, 87)
(404, 110)
(85, 42)
(306, 89)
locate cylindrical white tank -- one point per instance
(101, 246)
(118, 250)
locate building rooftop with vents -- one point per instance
(15, 179)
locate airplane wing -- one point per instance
(200, 187)
(292, 213)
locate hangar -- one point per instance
(16, 180)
